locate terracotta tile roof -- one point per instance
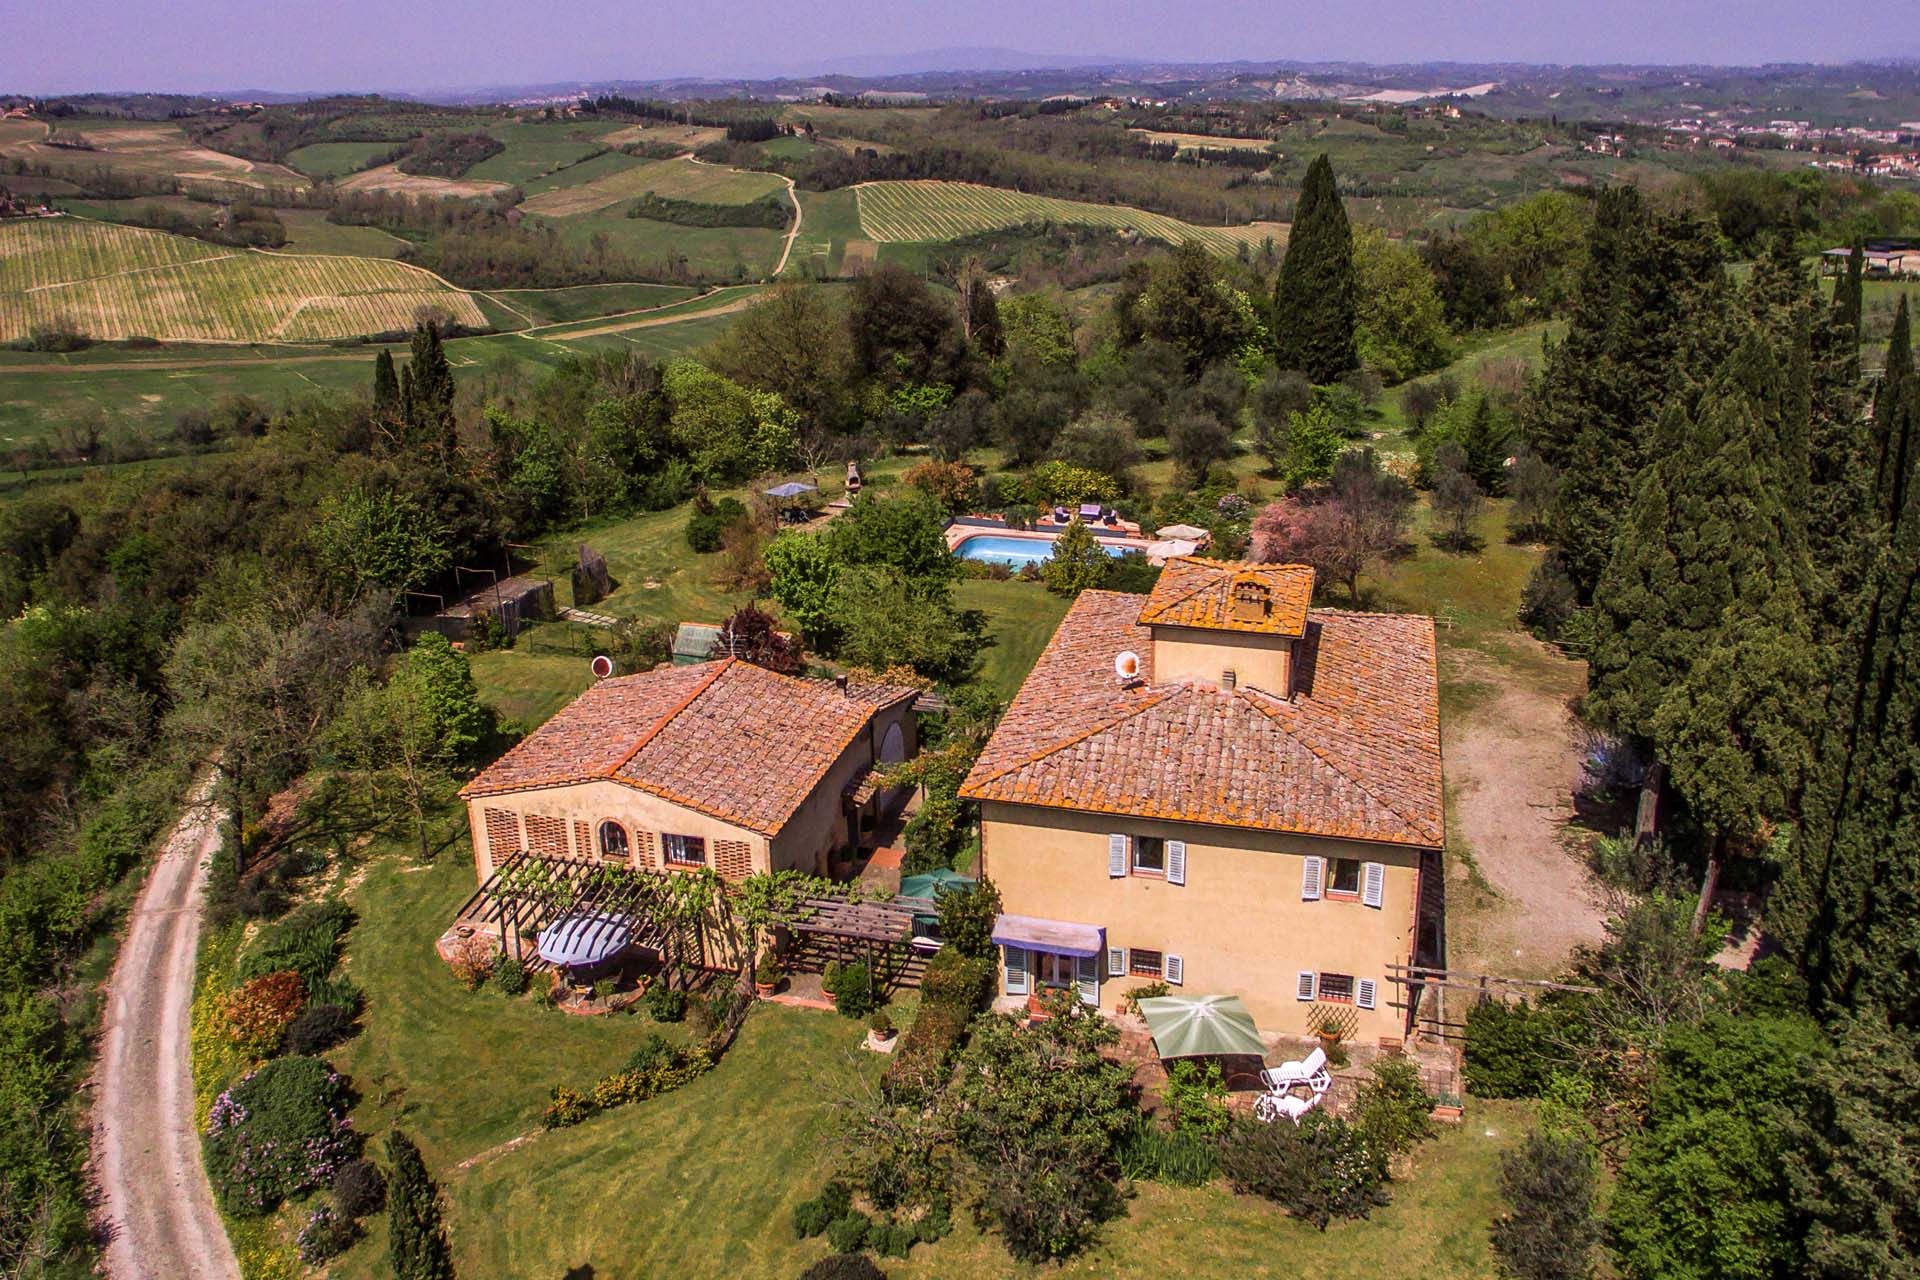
(726, 738)
(1193, 592)
(1355, 753)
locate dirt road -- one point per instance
(155, 1200)
(1512, 761)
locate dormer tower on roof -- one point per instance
(1228, 623)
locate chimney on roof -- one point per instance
(840, 682)
(1228, 680)
(1251, 600)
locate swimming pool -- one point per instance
(1018, 553)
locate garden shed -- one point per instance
(513, 602)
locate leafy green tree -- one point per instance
(369, 538)
(1703, 1192)
(1851, 1162)
(1077, 562)
(1401, 326)
(1470, 281)
(884, 620)
(417, 1245)
(967, 917)
(1197, 439)
(1036, 326)
(1099, 440)
(1187, 305)
(1481, 430)
(901, 331)
(726, 431)
(1036, 1111)
(1315, 307)
(1457, 499)
(902, 534)
(794, 343)
(805, 571)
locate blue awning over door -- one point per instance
(1056, 937)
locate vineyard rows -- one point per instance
(112, 282)
(679, 179)
(928, 210)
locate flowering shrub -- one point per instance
(473, 961)
(651, 1071)
(281, 1130)
(326, 1235)
(261, 1009)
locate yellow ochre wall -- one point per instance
(1189, 653)
(1238, 922)
(816, 828)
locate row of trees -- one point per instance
(1733, 521)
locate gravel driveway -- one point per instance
(155, 1200)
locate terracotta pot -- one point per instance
(1447, 1113)
(764, 989)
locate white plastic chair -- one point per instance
(1270, 1107)
(1310, 1071)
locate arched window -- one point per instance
(613, 842)
(893, 746)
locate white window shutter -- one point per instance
(1306, 985)
(1116, 855)
(1176, 862)
(1310, 875)
(1374, 886)
(1116, 962)
(1363, 992)
(1173, 969)
(1016, 971)
(1086, 973)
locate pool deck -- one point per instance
(1124, 533)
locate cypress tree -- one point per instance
(386, 385)
(1894, 420)
(428, 393)
(416, 1240)
(1634, 343)
(1314, 307)
(1849, 291)
(1847, 908)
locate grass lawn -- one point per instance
(527, 684)
(539, 147)
(743, 253)
(702, 1181)
(1021, 617)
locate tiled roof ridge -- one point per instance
(719, 669)
(1259, 700)
(1201, 584)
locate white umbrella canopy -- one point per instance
(1201, 1026)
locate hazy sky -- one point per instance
(293, 45)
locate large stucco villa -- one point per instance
(1223, 789)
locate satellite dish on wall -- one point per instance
(1126, 665)
(602, 666)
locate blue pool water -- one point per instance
(1016, 553)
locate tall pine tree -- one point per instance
(1314, 307)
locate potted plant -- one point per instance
(1448, 1108)
(767, 974)
(880, 1031)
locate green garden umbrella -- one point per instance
(931, 885)
(1201, 1026)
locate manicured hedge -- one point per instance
(953, 990)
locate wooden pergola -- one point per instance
(870, 932)
(527, 892)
